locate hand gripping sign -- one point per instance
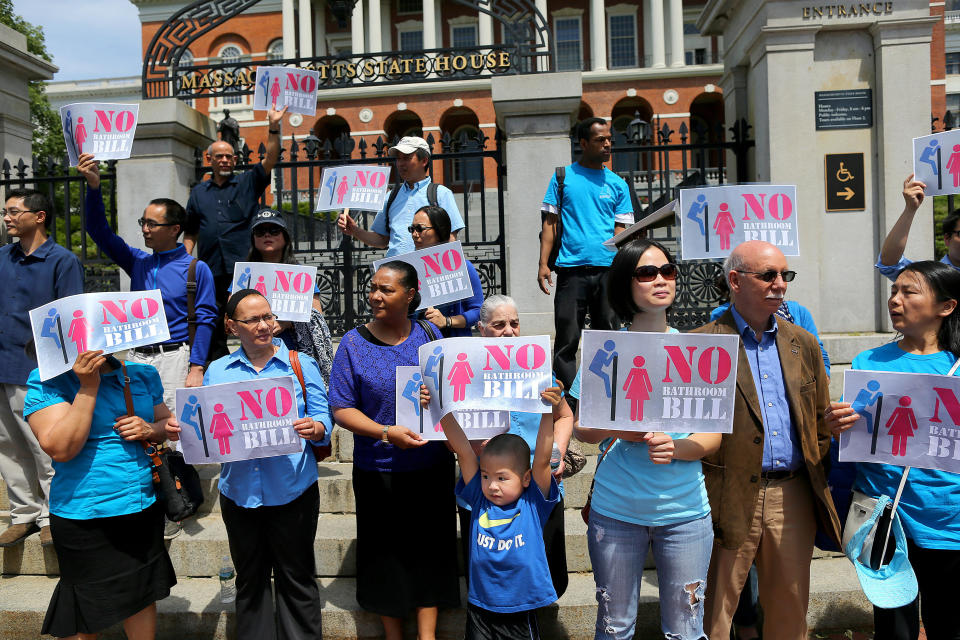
(486, 373)
(289, 288)
(442, 271)
(358, 187)
(477, 424)
(238, 420)
(106, 130)
(671, 382)
(65, 328)
(936, 162)
(906, 419)
(714, 220)
(279, 87)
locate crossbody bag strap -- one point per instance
(298, 370)
(427, 328)
(954, 368)
(192, 301)
(599, 460)
(149, 448)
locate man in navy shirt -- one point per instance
(34, 271)
(219, 213)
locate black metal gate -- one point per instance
(343, 264)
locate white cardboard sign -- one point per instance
(443, 274)
(102, 128)
(288, 288)
(936, 162)
(290, 87)
(359, 187)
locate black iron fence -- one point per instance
(471, 166)
(65, 189)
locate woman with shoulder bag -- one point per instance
(923, 309)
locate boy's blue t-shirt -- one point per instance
(930, 504)
(593, 201)
(508, 564)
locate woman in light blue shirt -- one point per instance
(270, 505)
(649, 487)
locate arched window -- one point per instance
(231, 53)
(275, 50)
(403, 123)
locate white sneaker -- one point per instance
(171, 529)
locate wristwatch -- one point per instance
(383, 437)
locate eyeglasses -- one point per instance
(267, 231)
(771, 275)
(13, 213)
(153, 224)
(648, 272)
(418, 228)
(252, 322)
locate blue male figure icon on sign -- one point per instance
(931, 151)
(68, 133)
(434, 371)
(331, 185)
(695, 210)
(603, 358)
(867, 398)
(51, 322)
(191, 410)
(243, 280)
(411, 391)
(265, 84)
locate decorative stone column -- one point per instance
(17, 68)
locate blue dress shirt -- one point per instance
(407, 203)
(30, 281)
(781, 452)
(892, 271)
(280, 479)
(164, 270)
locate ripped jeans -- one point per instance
(618, 551)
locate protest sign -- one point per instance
(358, 187)
(238, 420)
(288, 288)
(477, 424)
(101, 128)
(486, 373)
(696, 378)
(906, 419)
(935, 155)
(65, 328)
(442, 271)
(714, 220)
(290, 87)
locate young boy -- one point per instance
(509, 576)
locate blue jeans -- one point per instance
(682, 552)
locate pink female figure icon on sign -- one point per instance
(638, 388)
(953, 165)
(275, 92)
(724, 226)
(342, 190)
(221, 428)
(902, 425)
(261, 286)
(460, 376)
(80, 135)
(79, 331)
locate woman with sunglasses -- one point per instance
(431, 226)
(629, 509)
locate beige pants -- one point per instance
(25, 468)
(173, 366)
(781, 542)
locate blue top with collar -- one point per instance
(781, 451)
(280, 479)
(30, 281)
(892, 271)
(408, 201)
(164, 270)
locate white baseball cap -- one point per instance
(409, 144)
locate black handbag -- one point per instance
(177, 484)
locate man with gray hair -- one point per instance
(219, 213)
(767, 484)
(390, 229)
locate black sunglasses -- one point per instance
(418, 228)
(267, 231)
(771, 275)
(648, 272)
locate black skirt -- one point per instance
(406, 540)
(110, 568)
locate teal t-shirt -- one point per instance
(593, 201)
(630, 488)
(109, 476)
(930, 503)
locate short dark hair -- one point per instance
(230, 309)
(949, 224)
(621, 273)
(439, 220)
(172, 211)
(34, 201)
(512, 447)
(583, 129)
(421, 154)
(408, 279)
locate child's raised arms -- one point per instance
(541, 455)
(456, 438)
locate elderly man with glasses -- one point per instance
(34, 271)
(767, 484)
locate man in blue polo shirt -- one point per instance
(390, 229)
(596, 206)
(34, 271)
(219, 213)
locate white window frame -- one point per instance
(408, 26)
(339, 41)
(277, 42)
(623, 10)
(464, 21)
(570, 13)
(241, 101)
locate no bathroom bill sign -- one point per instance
(443, 273)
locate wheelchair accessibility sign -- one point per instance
(844, 182)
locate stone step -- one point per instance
(193, 610)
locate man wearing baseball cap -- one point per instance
(389, 228)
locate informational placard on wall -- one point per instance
(290, 87)
(114, 321)
(238, 420)
(443, 274)
(671, 382)
(288, 288)
(477, 424)
(714, 220)
(936, 162)
(906, 419)
(104, 129)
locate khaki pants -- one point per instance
(781, 542)
(25, 468)
(173, 366)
